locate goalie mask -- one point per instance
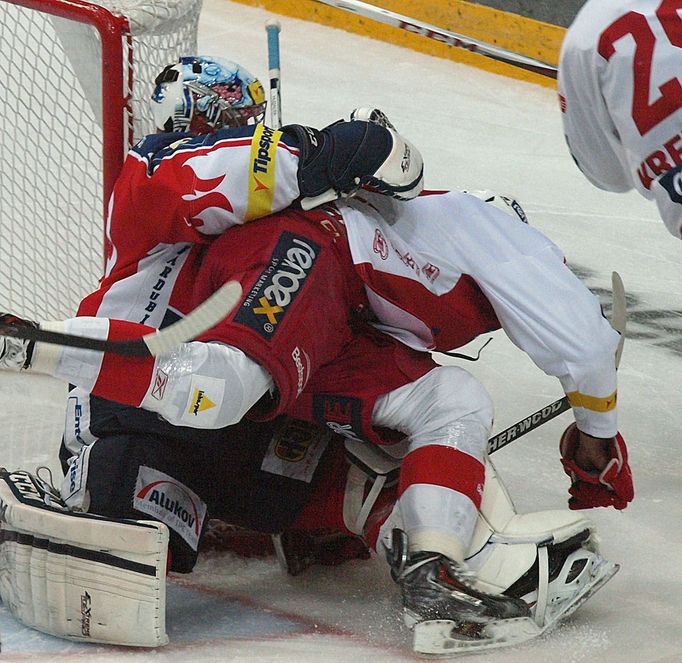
(202, 94)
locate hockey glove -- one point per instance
(15, 353)
(345, 156)
(612, 486)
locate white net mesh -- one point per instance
(52, 196)
(51, 174)
(51, 193)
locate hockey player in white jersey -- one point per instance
(620, 91)
(437, 273)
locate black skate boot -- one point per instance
(15, 353)
(445, 610)
(297, 550)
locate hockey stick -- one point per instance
(443, 36)
(533, 421)
(206, 315)
(272, 28)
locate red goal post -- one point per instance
(75, 82)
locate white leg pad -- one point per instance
(79, 576)
(505, 544)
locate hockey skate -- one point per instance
(547, 561)
(450, 615)
(447, 613)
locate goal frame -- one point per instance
(79, 79)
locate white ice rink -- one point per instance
(475, 130)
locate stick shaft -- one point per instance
(444, 36)
(272, 29)
(206, 315)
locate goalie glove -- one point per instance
(612, 486)
(15, 353)
(345, 156)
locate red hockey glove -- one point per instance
(611, 486)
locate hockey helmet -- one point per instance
(203, 94)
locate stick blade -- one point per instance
(207, 315)
(618, 312)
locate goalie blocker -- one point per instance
(80, 576)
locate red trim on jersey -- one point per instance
(292, 150)
(125, 379)
(454, 318)
(90, 304)
(232, 142)
(238, 142)
(437, 465)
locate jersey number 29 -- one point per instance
(647, 115)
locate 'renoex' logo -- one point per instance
(278, 285)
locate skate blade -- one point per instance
(439, 637)
(601, 575)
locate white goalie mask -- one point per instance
(202, 94)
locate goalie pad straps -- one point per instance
(506, 544)
(79, 576)
(368, 463)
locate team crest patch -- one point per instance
(343, 414)
(295, 450)
(270, 297)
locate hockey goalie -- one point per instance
(101, 578)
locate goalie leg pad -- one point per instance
(505, 544)
(370, 470)
(549, 558)
(79, 576)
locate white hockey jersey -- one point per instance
(445, 267)
(621, 99)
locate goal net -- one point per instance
(75, 83)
